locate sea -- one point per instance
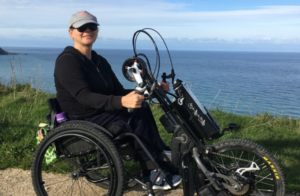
(244, 83)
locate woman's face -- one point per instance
(86, 38)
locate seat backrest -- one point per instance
(54, 109)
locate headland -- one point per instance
(4, 52)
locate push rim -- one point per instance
(74, 172)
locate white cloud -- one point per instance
(119, 19)
(288, 40)
(115, 13)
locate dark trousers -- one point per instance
(140, 122)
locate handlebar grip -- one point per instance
(130, 110)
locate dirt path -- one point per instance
(17, 182)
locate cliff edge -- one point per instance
(4, 52)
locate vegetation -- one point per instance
(22, 108)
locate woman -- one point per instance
(87, 89)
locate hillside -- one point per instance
(4, 52)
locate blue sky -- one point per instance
(218, 25)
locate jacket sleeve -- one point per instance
(70, 75)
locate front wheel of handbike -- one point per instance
(73, 158)
(235, 155)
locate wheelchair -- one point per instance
(88, 159)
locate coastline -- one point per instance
(4, 52)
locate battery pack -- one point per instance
(194, 113)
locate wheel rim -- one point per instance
(264, 180)
(71, 173)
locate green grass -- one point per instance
(22, 108)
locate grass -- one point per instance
(22, 108)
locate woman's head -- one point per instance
(83, 28)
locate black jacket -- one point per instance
(86, 87)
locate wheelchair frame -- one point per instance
(165, 156)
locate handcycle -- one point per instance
(88, 158)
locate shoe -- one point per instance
(161, 183)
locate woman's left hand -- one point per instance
(165, 85)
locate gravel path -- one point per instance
(17, 182)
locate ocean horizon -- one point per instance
(245, 83)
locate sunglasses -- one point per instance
(92, 27)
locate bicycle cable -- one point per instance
(157, 64)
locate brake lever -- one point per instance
(172, 75)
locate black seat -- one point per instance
(54, 109)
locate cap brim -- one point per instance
(83, 22)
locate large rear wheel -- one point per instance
(82, 157)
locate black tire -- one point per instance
(268, 180)
(85, 157)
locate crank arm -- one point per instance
(235, 185)
(212, 177)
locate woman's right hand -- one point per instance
(132, 100)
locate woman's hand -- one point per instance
(165, 85)
(132, 100)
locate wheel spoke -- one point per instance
(266, 184)
(260, 192)
(229, 159)
(263, 178)
(240, 157)
(91, 188)
(267, 190)
(83, 173)
(233, 156)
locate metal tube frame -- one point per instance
(156, 165)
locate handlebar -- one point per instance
(140, 91)
(134, 70)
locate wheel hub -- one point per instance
(247, 188)
(75, 175)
